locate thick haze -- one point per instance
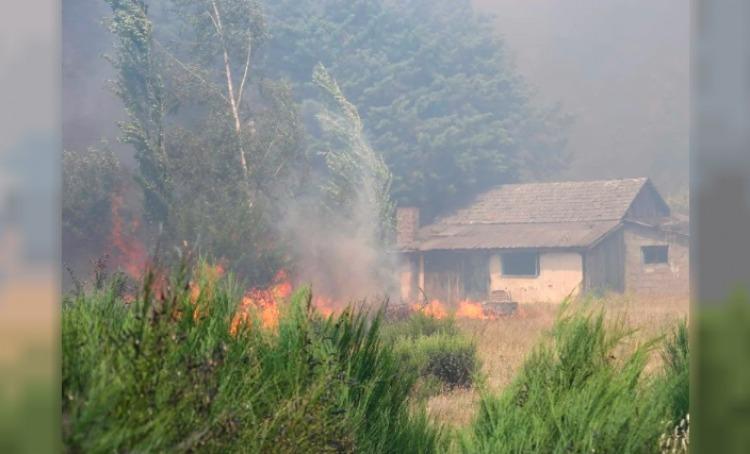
(621, 67)
(90, 109)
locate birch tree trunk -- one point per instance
(234, 97)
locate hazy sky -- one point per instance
(621, 67)
(28, 76)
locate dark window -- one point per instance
(520, 264)
(655, 254)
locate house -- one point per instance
(541, 242)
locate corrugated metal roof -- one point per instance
(511, 236)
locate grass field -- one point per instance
(502, 345)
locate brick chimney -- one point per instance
(407, 225)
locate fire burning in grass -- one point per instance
(466, 309)
(265, 301)
(473, 310)
(434, 309)
(132, 258)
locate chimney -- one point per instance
(407, 225)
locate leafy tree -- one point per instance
(89, 178)
(216, 143)
(140, 87)
(359, 184)
(434, 87)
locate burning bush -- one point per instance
(144, 377)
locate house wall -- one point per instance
(408, 277)
(452, 276)
(647, 205)
(560, 274)
(604, 264)
(671, 278)
(442, 276)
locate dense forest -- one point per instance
(240, 117)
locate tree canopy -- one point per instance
(435, 88)
(232, 116)
(216, 144)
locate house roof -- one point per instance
(572, 214)
(510, 236)
(570, 201)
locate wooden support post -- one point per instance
(421, 277)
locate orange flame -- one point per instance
(466, 309)
(265, 301)
(130, 253)
(326, 306)
(471, 309)
(434, 309)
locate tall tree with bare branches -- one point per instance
(225, 139)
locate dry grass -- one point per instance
(502, 345)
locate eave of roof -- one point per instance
(561, 235)
(664, 226)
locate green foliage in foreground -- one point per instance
(674, 380)
(720, 415)
(435, 348)
(150, 376)
(574, 395)
(445, 361)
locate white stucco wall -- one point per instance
(560, 274)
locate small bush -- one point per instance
(436, 350)
(574, 395)
(450, 359)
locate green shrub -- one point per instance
(674, 382)
(436, 350)
(720, 417)
(574, 395)
(448, 359)
(151, 376)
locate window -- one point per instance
(520, 264)
(655, 254)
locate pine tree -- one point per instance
(433, 84)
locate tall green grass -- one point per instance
(576, 393)
(164, 373)
(149, 376)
